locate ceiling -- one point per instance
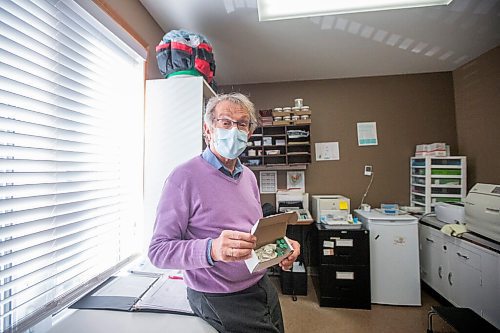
(419, 40)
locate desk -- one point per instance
(300, 232)
(104, 321)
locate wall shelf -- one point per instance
(291, 152)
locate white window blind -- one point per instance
(71, 147)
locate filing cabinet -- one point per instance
(344, 267)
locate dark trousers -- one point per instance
(255, 309)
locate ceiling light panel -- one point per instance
(270, 10)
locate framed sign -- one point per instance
(295, 180)
(268, 181)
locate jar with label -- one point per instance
(287, 109)
(278, 118)
(295, 109)
(278, 109)
(295, 117)
(304, 117)
(287, 118)
(305, 108)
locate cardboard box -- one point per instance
(433, 149)
(268, 230)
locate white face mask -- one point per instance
(230, 143)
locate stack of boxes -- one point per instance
(433, 149)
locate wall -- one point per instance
(477, 101)
(135, 16)
(408, 109)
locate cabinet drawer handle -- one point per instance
(429, 240)
(492, 210)
(449, 279)
(462, 256)
(440, 272)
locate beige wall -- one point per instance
(408, 110)
(477, 103)
(135, 15)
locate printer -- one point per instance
(482, 210)
(331, 209)
(296, 200)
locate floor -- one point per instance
(305, 315)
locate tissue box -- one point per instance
(268, 230)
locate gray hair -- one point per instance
(235, 98)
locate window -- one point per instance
(71, 148)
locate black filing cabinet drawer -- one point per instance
(345, 286)
(344, 247)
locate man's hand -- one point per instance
(286, 264)
(232, 246)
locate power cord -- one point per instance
(367, 189)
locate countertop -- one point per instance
(432, 221)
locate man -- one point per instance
(207, 209)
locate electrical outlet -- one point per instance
(368, 170)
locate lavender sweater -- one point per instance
(198, 202)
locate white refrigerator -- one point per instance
(394, 257)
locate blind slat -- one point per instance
(9, 166)
(47, 94)
(60, 39)
(34, 214)
(53, 22)
(53, 74)
(21, 270)
(39, 118)
(47, 200)
(45, 81)
(42, 51)
(15, 99)
(18, 152)
(22, 229)
(63, 236)
(20, 53)
(29, 178)
(51, 132)
(27, 191)
(33, 141)
(22, 296)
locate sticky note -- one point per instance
(343, 205)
